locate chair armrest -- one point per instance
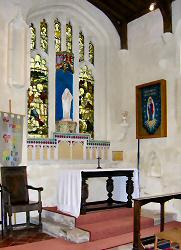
(5, 194)
(39, 189)
(4, 189)
(35, 188)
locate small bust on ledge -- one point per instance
(124, 118)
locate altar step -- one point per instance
(114, 225)
(91, 227)
(110, 223)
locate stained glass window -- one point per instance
(69, 38)
(44, 35)
(91, 53)
(33, 36)
(81, 47)
(38, 99)
(57, 30)
(86, 101)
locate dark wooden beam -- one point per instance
(121, 12)
(124, 36)
(128, 4)
(122, 31)
(107, 9)
(165, 7)
(118, 7)
(116, 19)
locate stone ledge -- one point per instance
(155, 214)
(78, 235)
(56, 229)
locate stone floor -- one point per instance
(23, 236)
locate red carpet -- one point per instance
(60, 244)
(108, 228)
(110, 223)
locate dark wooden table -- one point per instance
(109, 203)
(138, 203)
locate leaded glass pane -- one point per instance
(57, 29)
(38, 99)
(44, 35)
(86, 101)
(91, 53)
(69, 38)
(33, 36)
(81, 47)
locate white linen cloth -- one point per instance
(119, 193)
(70, 184)
(69, 192)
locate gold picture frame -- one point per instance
(151, 110)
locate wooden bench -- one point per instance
(138, 203)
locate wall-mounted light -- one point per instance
(152, 6)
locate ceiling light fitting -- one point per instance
(152, 6)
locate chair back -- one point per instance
(14, 179)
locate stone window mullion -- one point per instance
(63, 24)
(51, 65)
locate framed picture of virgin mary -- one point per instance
(151, 110)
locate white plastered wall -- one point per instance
(152, 55)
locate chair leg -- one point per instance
(156, 243)
(5, 221)
(40, 222)
(28, 218)
(10, 222)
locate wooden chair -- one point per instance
(15, 196)
(1, 222)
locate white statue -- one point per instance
(66, 104)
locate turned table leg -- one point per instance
(109, 188)
(129, 191)
(84, 195)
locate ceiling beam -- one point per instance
(124, 35)
(128, 4)
(106, 9)
(121, 12)
(118, 7)
(165, 7)
(116, 19)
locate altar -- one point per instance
(73, 189)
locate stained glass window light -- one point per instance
(33, 36)
(57, 30)
(86, 101)
(69, 38)
(81, 47)
(44, 36)
(38, 99)
(91, 53)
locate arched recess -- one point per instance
(97, 27)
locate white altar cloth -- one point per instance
(70, 184)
